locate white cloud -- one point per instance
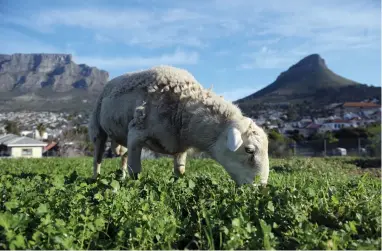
(238, 93)
(289, 31)
(102, 39)
(267, 58)
(16, 42)
(264, 42)
(179, 57)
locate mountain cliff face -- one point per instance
(30, 80)
(30, 72)
(310, 80)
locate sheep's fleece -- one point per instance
(166, 110)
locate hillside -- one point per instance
(310, 80)
(50, 82)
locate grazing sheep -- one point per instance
(167, 111)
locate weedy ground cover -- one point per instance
(310, 203)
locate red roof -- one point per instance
(339, 121)
(313, 126)
(361, 104)
(50, 146)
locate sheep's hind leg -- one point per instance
(99, 149)
(124, 165)
(180, 164)
(122, 152)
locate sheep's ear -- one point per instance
(234, 140)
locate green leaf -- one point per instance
(11, 204)
(99, 223)
(115, 185)
(270, 206)
(19, 242)
(236, 222)
(42, 209)
(98, 196)
(104, 181)
(191, 184)
(335, 200)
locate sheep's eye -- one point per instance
(249, 150)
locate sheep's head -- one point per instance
(242, 149)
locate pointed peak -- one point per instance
(312, 61)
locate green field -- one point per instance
(310, 203)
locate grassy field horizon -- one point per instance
(310, 203)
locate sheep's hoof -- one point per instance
(134, 176)
(121, 175)
(182, 170)
(179, 171)
(95, 177)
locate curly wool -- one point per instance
(177, 82)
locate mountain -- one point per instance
(49, 82)
(311, 81)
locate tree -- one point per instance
(295, 135)
(374, 142)
(41, 129)
(12, 127)
(351, 133)
(292, 113)
(279, 146)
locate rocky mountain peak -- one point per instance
(31, 72)
(313, 61)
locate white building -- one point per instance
(15, 146)
(336, 125)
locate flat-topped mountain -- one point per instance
(47, 82)
(310, 80)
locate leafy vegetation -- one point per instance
(279, 145)
(311, 203)
(12, 127)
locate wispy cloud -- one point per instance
(238, 93)
(196, 25)
(102, 39)
(267, 58)
(179, 57)
(250, 34)
(131, 26)
(16, 42)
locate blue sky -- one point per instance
(236, 46)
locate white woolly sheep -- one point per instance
(167, 111)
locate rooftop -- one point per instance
(14, 140)
(361, 104)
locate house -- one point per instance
(35, 134)
(356, 107)
(20, 146)
(310, 129)
(336, 125)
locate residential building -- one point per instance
(15, 146)
(356, 107)
(310, 129)
(336, 125)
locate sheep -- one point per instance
(166, 110)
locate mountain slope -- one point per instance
(47, 82)
(310, 80)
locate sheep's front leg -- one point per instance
(99, 149)
(135, 145)
(180, 164)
